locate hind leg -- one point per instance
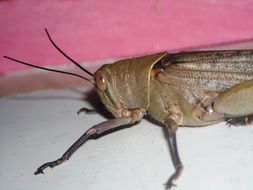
(236, 101)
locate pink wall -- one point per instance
(94, 30)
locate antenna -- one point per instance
(78, 65)
(48, 69)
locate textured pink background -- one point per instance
(94, 30)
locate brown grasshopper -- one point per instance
(180, 89)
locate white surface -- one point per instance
(39, 127)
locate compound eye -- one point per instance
(100, 79)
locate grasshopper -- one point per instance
(181, 89)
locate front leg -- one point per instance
(132, 117)
(96, 129)
(171, 127)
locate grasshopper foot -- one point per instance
(174, 177)
(237, 121)
(86, 111)
(39, 171)
(52, 164)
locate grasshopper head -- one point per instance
(123, 86)
(106, 90)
